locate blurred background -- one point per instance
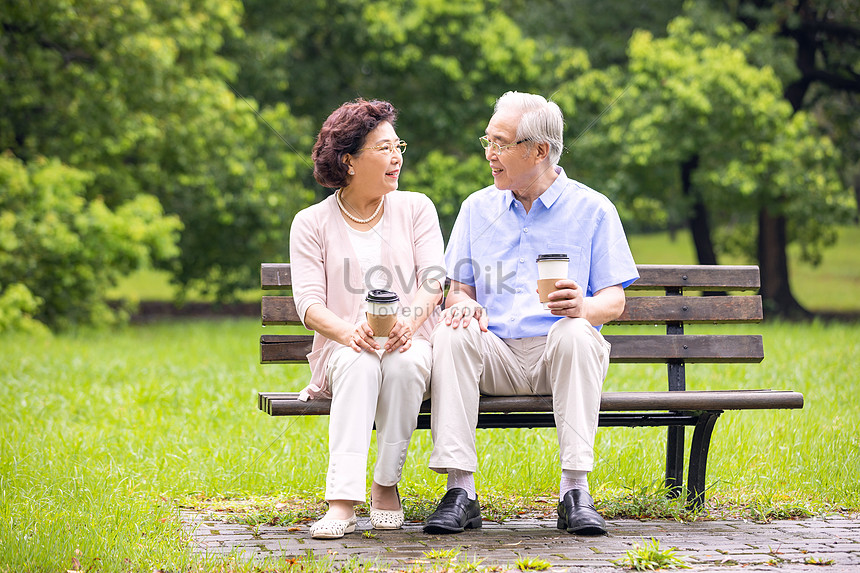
(167, 142)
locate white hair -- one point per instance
(541, 122)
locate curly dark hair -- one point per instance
(344, 133)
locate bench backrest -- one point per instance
(667, 301)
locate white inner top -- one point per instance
(368, 247)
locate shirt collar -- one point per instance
(555, 190)
(549, 196)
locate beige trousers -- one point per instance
(569, 364)
(368, 388)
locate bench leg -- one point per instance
(675, 460)
(699, 458)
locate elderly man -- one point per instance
(496, 338)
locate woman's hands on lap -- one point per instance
(362, 339)
(399, 337)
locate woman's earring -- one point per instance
(351, 172)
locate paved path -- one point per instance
(707, 545)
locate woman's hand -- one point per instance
(400, 337)
(362, 339)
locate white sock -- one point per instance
(464, 480)
(572, 479)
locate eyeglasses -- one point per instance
(495, 147)
(388, 147)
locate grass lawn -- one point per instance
(105, 434)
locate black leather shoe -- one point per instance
(576, 514)
(454, 513)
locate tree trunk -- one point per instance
(700, 227)
(857, 195)
(775, 287)
(772, 241)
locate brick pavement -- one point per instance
(725, 545)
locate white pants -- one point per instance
(570, 364)
(366, 388)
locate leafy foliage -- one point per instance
(603, 32)
(135, 94)
(693, 97)
(442, 63)
(210, 107)
(61, 251)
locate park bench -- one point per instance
(673, 296)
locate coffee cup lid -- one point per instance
(553, 257)
(382, 296)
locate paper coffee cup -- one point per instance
(551, 268)
(381, 312)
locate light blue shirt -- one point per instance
(494, 246)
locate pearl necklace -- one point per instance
(351, 216)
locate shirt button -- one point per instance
(519, 290)
(526, 230)
(513, 318)
(522, 260)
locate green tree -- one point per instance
(707, 136)
(815, 47)
(60, 252)
(603, 30)
(441, 62)
(136, 94)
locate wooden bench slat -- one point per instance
(700, 277)
(691, 348)
(277, 276)
(691, 309)
(285, 348)
(642, 348)
(287, 403)
(281, 310)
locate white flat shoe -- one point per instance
(328, 528)
(387, 518)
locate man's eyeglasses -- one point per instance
(495, 147)
(388, 147)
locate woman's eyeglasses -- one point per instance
(388, 147)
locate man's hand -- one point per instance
(604, 306)
(568, 301)
(462, 313)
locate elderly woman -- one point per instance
(366, 236)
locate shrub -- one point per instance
(60, 250)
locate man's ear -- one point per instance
(541, 151)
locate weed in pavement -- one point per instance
(648, 556)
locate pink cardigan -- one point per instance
(325, 268)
